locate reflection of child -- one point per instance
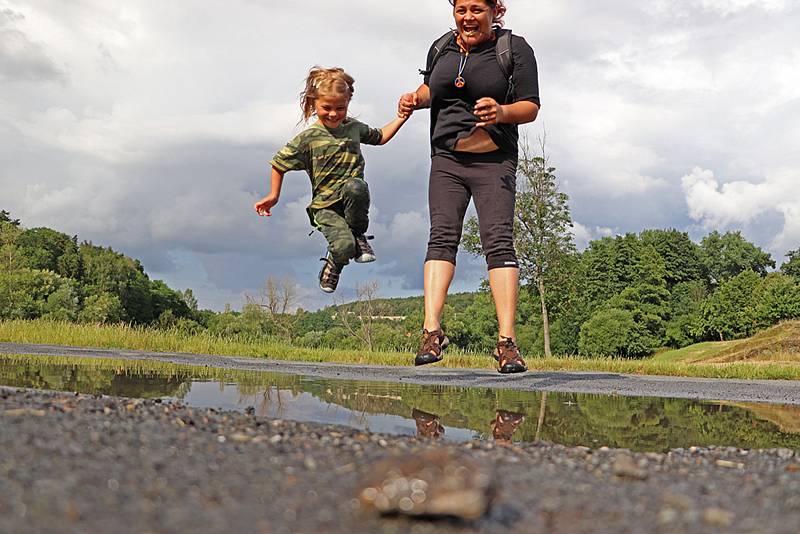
(330, 152)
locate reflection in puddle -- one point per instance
(431, 411)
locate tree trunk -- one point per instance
(545, 320)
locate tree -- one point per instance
(10, 256)
(277, 298)
(792, 266)
(542, 230)
(682, 257)
(5, 217)
(102, 308)
(48, 250)
(777, 299)
(730, 311)
(106, 271)
(727, 255)
(358, 318)
(608, 332)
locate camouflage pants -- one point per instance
(341, 222)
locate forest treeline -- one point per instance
(625, 295)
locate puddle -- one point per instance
(444, 412)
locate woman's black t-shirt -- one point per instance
(452, 116)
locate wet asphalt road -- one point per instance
(771, 391)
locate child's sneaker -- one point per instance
(364, 252)
(329, 274)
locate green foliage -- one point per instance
(778, 299)
(730, 311)
(102, 308)
(681, 256)
(608, 332)
(727, 255)
(5, 217)
(48, 250)
(792, 266)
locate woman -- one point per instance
(474, 138)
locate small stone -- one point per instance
(625, 466)
(275, 439)
(730, 465)
(718, 517)
(239, 437)
(440, 482)
(785, 454)
(667, 515)
(310, 464)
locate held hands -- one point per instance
(407, 104)
(488, 111)
(264, 205)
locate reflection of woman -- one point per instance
(474, 155)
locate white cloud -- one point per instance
(718, 205)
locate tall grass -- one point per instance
(154, 340)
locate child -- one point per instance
(330, 152)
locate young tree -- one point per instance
(542, 229)
(276, 299)
(358, 317)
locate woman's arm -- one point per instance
(409, 102)
(490, 112)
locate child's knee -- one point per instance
(356, 189)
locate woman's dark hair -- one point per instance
(499, 7)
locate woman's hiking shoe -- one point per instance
(508, 357)
(505, 424)
(428, 424)
(433, 343)
(364, 252)
(329, 274)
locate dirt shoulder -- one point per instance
(769, 391)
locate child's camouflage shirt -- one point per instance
(330, 157)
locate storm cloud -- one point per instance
(149, 126)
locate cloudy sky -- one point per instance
(148, 125)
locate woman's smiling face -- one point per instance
(474, 21)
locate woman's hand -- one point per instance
(488, 111)
(407, 104)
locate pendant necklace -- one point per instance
(462, 62)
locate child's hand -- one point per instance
(264, 205)
(407, 104)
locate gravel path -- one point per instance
(75, 463)
(772, 391)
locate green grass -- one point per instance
(671, 363)
(693, 353)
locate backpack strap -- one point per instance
(438, 47)
(505, 58)
(503, 51)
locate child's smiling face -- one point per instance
(331, 110)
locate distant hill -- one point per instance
(780, 343)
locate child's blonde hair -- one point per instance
(324, 82)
